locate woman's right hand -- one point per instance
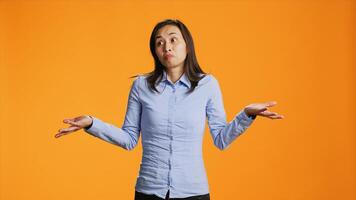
(76, 123)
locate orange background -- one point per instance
(67, 58)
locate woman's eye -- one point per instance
(159, 43)
(173, 39)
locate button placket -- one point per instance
(171, 109)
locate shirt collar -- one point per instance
(184, 79)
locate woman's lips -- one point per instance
(167, 56)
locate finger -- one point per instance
(61, 133)
(270, 103)
(71, 122)
(69, 129)
(67, 119)
(267, 113)
(276, 117)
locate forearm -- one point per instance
(112, 134)
(232, 130)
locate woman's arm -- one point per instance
(126, 137)
(224, 133)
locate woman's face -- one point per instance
(170, 46)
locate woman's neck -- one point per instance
(174, 74)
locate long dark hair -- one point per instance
(191, 66)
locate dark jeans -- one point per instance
(142, 196)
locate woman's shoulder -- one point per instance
(137, 79)
(141, 76)
(207, 79)
(140, 80)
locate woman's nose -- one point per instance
(168, 47)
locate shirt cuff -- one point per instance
(88, 127)
(244, 119)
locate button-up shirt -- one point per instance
(172, 125)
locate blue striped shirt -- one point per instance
(172, 125)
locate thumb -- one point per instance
(270, 103)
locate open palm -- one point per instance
(76, 123)
(261, 109)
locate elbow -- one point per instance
(131, 140)
(220, 144)
(128, 148)
(221, 147)
(130, 145)
(127, 145)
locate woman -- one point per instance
(169, 106)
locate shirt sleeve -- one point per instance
(126, 137)
(224, 133)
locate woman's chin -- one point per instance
(169, 65)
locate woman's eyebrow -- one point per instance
(159, 36)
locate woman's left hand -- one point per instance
(261, 109)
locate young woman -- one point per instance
(169, 107)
